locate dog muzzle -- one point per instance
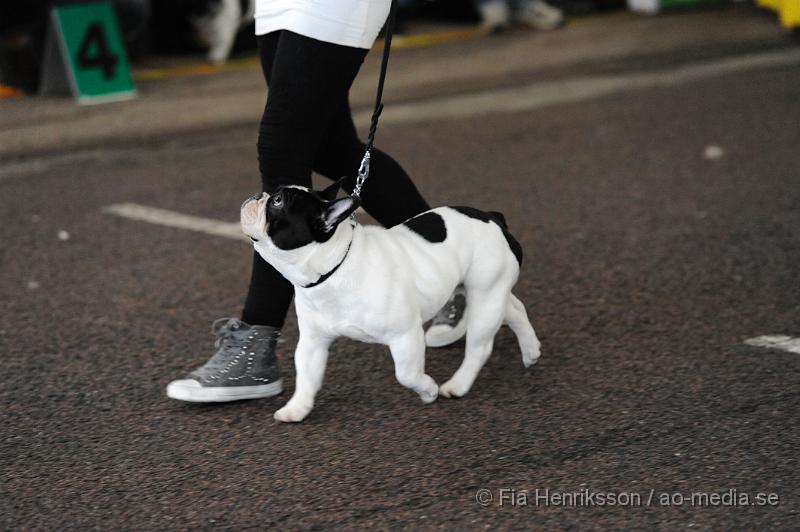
(250, 210)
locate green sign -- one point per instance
(95, 57)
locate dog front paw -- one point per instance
(292, 413)
(430, 396)
(454, 388)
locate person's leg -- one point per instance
(265, 282)
(307, 81)
(307, 78)
(388, 195)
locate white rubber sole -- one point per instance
(190, 390)
(443, 335)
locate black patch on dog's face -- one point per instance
(429, 226)
(500, 220)
(294, 218)
(297, 217)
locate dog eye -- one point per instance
(253, 239)
(277, 201)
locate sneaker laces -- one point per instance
(234, 339)
(228, 343)
(223, 329)
(226, 329)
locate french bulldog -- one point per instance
(381, 285)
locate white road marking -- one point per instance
(776, 341)
(578, 89)
(157, 216)
(154, 215)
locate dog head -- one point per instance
(294, 217)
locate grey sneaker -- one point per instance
(244, 366)
(449, 325)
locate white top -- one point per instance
(353, 23)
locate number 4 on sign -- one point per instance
(84, 55)
(94, 52)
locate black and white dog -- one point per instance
(380, 285)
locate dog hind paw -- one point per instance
(531, 356)
(530, 359)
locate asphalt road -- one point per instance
(649, 262)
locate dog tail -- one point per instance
(499, 219)
(516, 248)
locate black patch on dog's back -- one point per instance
(429, 226)
(500, 220)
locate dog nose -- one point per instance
(254, 197)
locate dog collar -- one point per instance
(324, 277)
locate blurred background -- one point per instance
(645, 155)
(224, 28)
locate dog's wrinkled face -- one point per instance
(293, 217)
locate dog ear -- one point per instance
(338, 210)
(330, 192)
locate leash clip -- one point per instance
(363, 174)
(363, 169)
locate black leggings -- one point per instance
(307, 126)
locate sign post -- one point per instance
(84, 46)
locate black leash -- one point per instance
(363, 170)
